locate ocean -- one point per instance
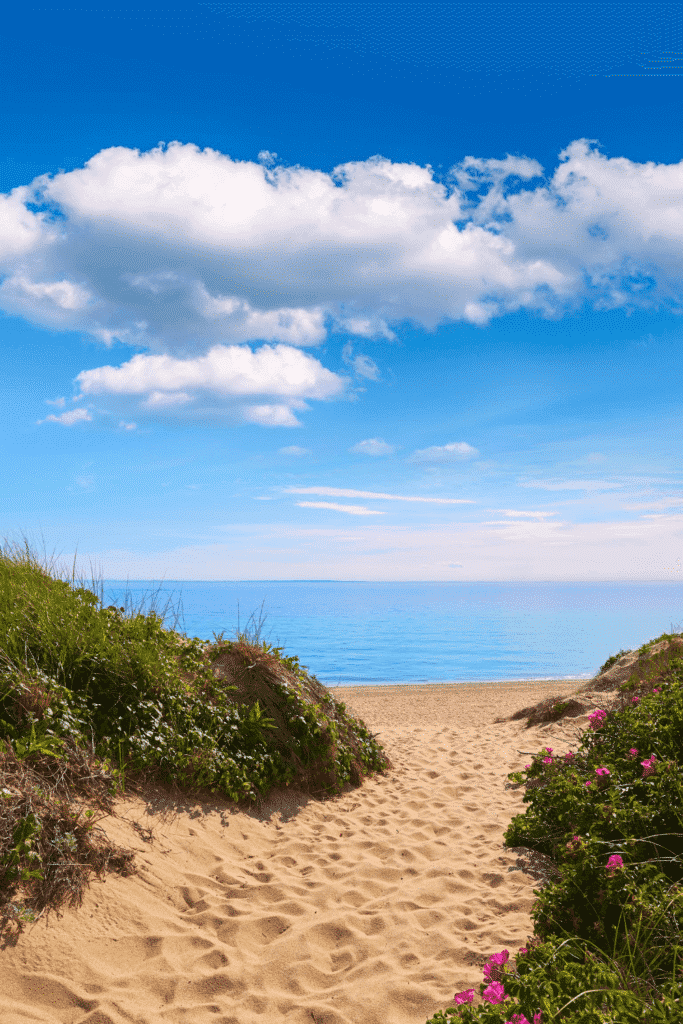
(367, 634)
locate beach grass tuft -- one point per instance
(96, 700)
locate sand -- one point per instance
(373, 907)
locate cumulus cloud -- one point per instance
(354, 510)
(179, 250)
(373, 446)
(182, 246)
(226, 371)
(444, 453)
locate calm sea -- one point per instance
(372, 633)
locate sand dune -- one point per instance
(373, 907)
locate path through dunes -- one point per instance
(373, 907)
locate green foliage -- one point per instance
(607, 941)
(22, 848)
(612, 661)
(145, 701)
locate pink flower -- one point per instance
(493, 968)
(547, 760)
(549, 749)
(633, 752)
(463, 997)
(649, 766)
(635, 700)
(614, 862)
(523, 949)
(602, 771)
(589, 783)
(495, 993)
(569, 755)
(527, 766)
(656, 689)
(597, 718)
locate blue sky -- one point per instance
(344, 291)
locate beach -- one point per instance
(372, 907)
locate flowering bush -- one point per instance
(607, 943)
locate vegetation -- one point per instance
(94, 700)
(607, 943)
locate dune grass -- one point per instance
(95, 700)
(607, 944)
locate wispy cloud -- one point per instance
(342, 492)
(67, 419)
(644, 549)
(294, 449)
(571, 485)
(524, 515)
(363, 365)
(373, 446)
(658, 503)
(456, 451)
(354, 510)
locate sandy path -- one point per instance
(374, 907)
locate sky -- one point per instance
(377, 291)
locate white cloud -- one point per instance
(22, 230)
(270, 415)
(674, 502)
(364, 366)
(294, 449)
(365, 327)
(354, 510)
(373, 446)
(444, 453)
(127, 426)
(214, 250)
(164, 399)
(342, 492)
(68, 419)
(226, 373)
(60, 294)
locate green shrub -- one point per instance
(607, 931)
(141, 702)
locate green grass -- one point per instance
(94, 700)
(607, 944)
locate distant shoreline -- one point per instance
(570, 681)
